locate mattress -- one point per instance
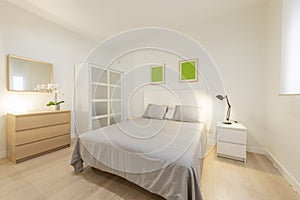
(163, 156)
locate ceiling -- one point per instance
(99, 19)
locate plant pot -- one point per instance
(56, 107)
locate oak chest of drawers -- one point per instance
(33, 134)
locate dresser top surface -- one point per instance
(39, 112)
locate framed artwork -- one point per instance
(188, 70)
(157, 74)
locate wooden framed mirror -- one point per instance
(25, 74)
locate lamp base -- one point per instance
(226, 122)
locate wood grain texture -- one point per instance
(257, 179)
(42, 120)
(51, 177)
(33, 148)
(11, 138)
(32, 134)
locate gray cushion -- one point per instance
(170, 113)
(155, 111)
(187, 113)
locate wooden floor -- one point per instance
(51, 177)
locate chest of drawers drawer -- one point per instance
(35, 121)
(33, 135)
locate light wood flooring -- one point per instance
(51, 177)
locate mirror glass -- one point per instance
(26, 74)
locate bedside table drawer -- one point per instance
(232, 136)
(234, 150)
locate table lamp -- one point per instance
(220, 97)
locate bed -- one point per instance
(161, 153)
(163, 156)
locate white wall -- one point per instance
(137, 78)
(236, 42)
(283, 119)
(164, 44)
(27, 35)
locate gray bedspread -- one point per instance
(163, 156)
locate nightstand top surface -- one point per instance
(237, 126)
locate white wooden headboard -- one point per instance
(181, 97)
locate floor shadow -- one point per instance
(265, 165)
(125, 189)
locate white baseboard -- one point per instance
(290, 179)
(2, 154)
(255, 149)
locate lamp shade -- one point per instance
(220, 97)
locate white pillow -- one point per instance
(170, 113)
(155, 111)
(187, 113)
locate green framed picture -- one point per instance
(158, 74)
(188, 70)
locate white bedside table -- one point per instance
(232, 141)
